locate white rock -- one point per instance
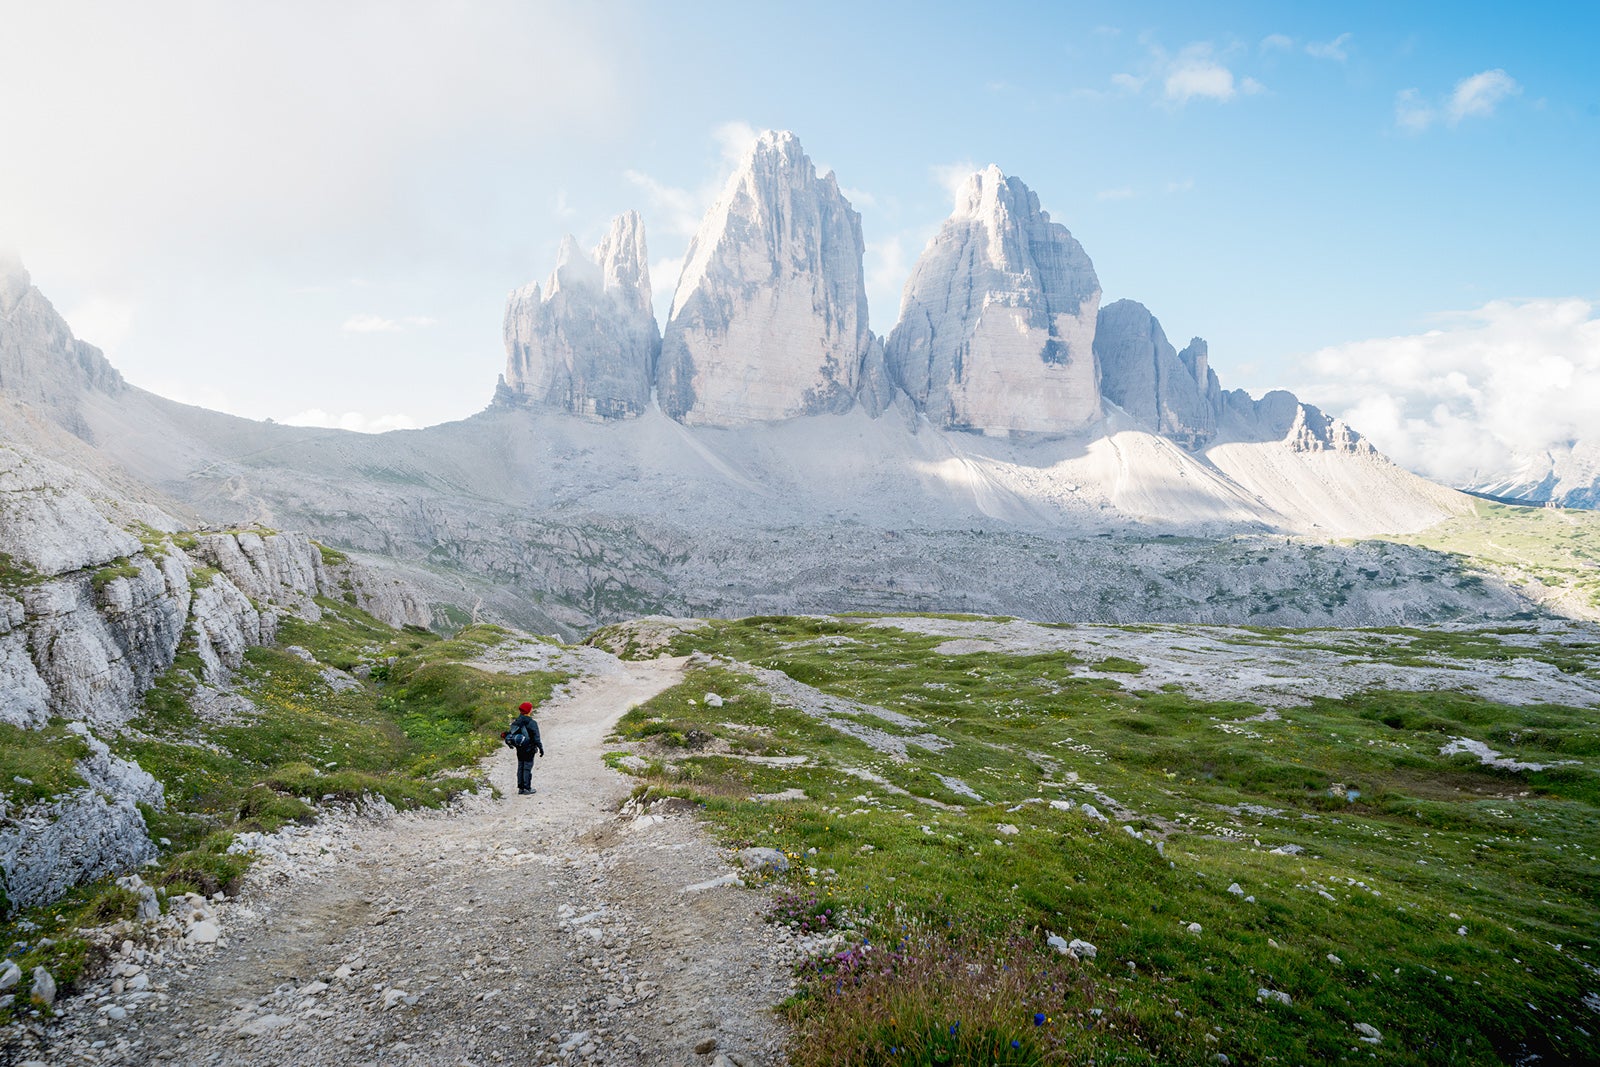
(204, 932)
(1194, 928)
(1007, 828)
(393, 997)
(1082, 950)
(997, 321)
(10, 975)
(586, 344)
(1236, 889)
(770, 316)
(1273, 994)
(713, 700)
(43, 991)
(1369, 1033)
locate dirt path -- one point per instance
(528, 930)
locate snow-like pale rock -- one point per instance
(587, 342)
(997, 321)
(1176, 394)
(770, 316)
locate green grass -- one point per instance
(1555, 547)
(117, 568)
(1402, 847)
(412, 733)
(39, 765)
(15, 574)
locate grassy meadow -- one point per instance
(1313, 882)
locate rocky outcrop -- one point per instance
(41, 363)
(92, 832)
(1566, 474)
(1176, 394)
(587, 342)
(770, 316)
(90, 616)
(997, 322)
(1280, 416)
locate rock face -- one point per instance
(41, 363)
(770, 317)
(1280, 416)
(89, 833)
(1176, 394)
(997, 322)
(1565, 474)
(587, 343)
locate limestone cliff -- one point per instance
(770, 316)
(587, 342)
(41, 363)
(997, 322)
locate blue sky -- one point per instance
(285, 209)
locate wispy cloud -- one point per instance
(1464, 403)
(674, 210)
(1277, 42)
(379, 324)
(1477, 96)
(1197, 74)
(1334, 49)
(952, 176)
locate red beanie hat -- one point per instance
(524, 707)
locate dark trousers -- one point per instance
(524, 773)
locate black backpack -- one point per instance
(518, 736)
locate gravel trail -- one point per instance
(538, 929)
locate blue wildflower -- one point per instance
(1038, 1018)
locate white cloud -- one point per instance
(673, 210)
(1334, 49)
(379, 324)
(169, 126)
(1128, 83)
(951, 177)
(1463, 402)
(1277, 42)
(1479, 95)
(735, 138)
(1197, 73)
(358, 421)
(1476, 96)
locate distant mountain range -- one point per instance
(1010, 447)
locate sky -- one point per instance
(313, 212)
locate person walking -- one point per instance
(523, 735)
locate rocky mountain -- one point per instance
(586, 343)
(41, 363)
(1565, 475)
(769, 320)
(1012, 450)
(997, 323)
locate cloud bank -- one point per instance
(1463, 404)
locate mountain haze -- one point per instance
(1014, 448)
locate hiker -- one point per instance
(523, 735)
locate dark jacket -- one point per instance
(525, 752)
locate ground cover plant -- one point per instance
(1558, 548)
(339, 709)
(1315, 880)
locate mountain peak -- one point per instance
(14, 280)
(587, 343)
(997, 322)
(769, 319)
